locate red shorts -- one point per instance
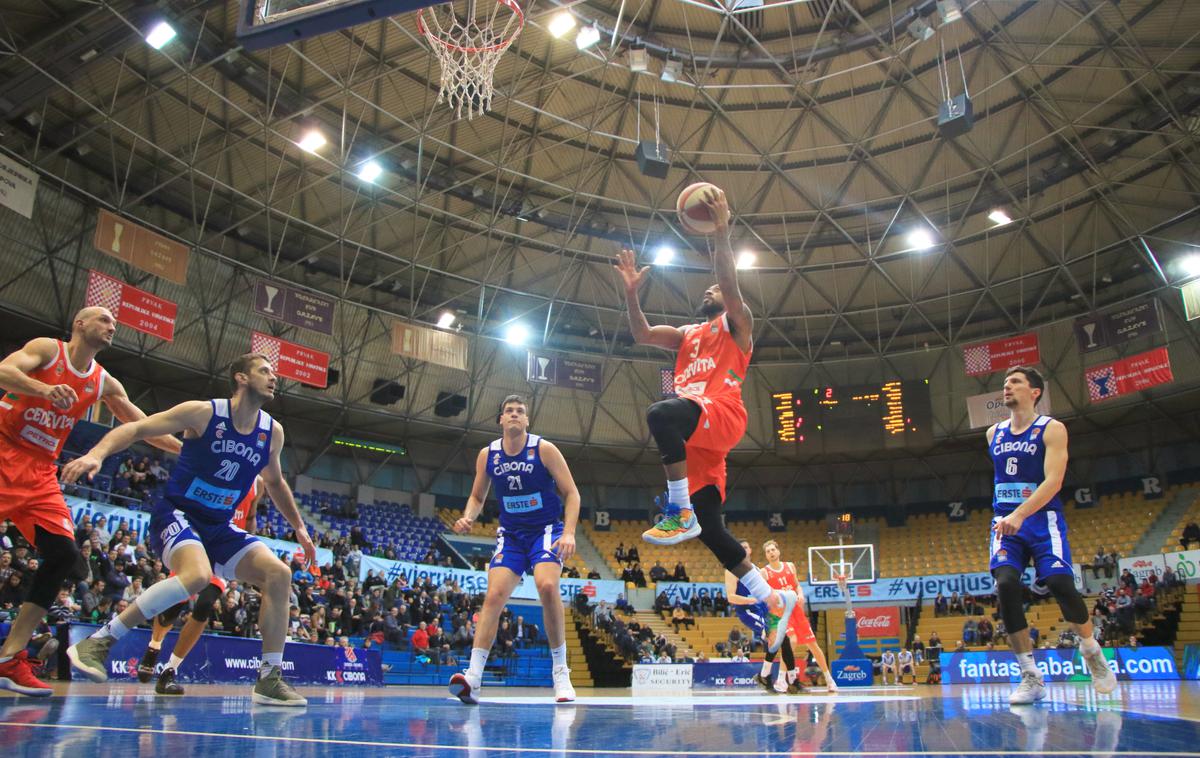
(800, 631)
(30, 496)
(721, 427)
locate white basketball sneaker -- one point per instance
(1103, 679)
(1030, 690)
(466, 687)
(564, 691)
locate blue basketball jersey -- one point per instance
(525, 489)
(1020, 463)
(216, 470)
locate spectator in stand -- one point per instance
(12, 594)
(1133, 640)
(100, 531)
(984, 631)
(420, 640)
(680, 574)
(632, 554)
(934, 648)
(721, 604)
(1099, 561)
(970, 631)
(735, 638)
(1114, 559)
(661, 603)
(1191, 533)
(956, 605)
(1169, 579)
(918, 649)
(657, 572)
(1128, 580)
(593, 574)
(639, 578)
(1034, 633)
(619, 553)
(959, 647)
(504, 645)
(940, 606)
(680, 617)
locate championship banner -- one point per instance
(1133, 374)
(685, 591)
(18, 186)
(430, 345)
(293, 361)
(131, 306)
(139, 247)
(1116, 327)
(989, 408)
(1058, 665)
(879, 621)
(218, 659)
(998, 355)
(293, 306)
(475, 582)
(561, 371)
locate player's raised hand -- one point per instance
(84, 465)
(631, 276)
(718, 206)
(565, 547)
(463, 525)
(62, 396)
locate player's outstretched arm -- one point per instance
(725, 267)
(557, 466)
(191, 415)
(281, 495)
(15, 368)
(479, 490)
(731, 591)
(643, 334)
(126, 412)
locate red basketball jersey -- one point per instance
(34, 425)
(784, 578)
(709, 362)
(243, 508)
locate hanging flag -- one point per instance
(668, 381)
(293, 361)
(1132, 374)
(999, 355)
(131, 306)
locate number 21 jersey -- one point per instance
(525, 489)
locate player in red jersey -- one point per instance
(696, 429)
(783, 576)
(48, 386)
(189, 635)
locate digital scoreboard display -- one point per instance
(858, 418)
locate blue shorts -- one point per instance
(520, 550)
(224, 543)
(754, 617)
(1041, 540)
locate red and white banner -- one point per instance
(131, 306)
(878, 622)
(1132, 374)
(292, 361)
(998, 355)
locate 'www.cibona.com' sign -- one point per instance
(1055, 665)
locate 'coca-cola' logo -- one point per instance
(879, 622)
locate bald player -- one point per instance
(49, 385)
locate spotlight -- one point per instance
(588, 36)
(920, 30)
(672, 68)
(664, 255)
(950, 10)
(1190, 265)
(446, 320)
(516, 334)
(639, 59)
(312, 141)
(999, 217)
(920, 239)
(370, 171)
(562, 23)
(746, 259)
(160, 34)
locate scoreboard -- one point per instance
(855, 418)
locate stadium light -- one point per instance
(159, 35)
(746, 259)
(664, 255)
(370, 171)
(516, 334)
(562, 23)
(312, 141)
(588, 36)
(920, 239)
(446, 320)
(999, 217)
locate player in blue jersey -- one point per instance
(539, 508)
(1029, 452)
(755, 615)
(226, 444)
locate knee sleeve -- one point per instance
(1009, 595)
(59, 558)
(167, 617)
(204, 603)
(161, 596)
(671, 422)
(707, 505)
(1062, 586)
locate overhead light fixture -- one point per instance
(1189, 265)
(446, 320)
(312, 141)
(516, 334)
(562, 23)
(370, 171)
(664, 255)
(588, 36)
(999, 217)
(920, 239)
(639, 59)
(159, 35)
(746, 259)
(920, 30)
(950, 10)
(672, 68)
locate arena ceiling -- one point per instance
(818, 118)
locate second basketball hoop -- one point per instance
(468, 37)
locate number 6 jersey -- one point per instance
(1020, 462)
(216, 470)
(525, 490)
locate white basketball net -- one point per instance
(468, 47)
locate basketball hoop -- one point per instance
(468, 49)
(843, 583)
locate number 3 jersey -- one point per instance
(1020, 463)
(216, 470)
(525, 489)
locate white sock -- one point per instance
(155, 644)
(766, 669)
(782, 675)
(557, 654)
(114, 629)
(479, 658)
(175, 662)
(269, 661)
(1027, 663)
(1089, 646)
(677, 493)
(757, 586)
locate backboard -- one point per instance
(855, 562)
(266, 23)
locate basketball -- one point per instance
(693, 213)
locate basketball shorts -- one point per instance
(224, 543)
(30, 495)
(721, 427)
(799, 630)
(1041, 540)
(754, 617)
(519, 550)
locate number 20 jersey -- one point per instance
(216, 470)
(1020, 463)
(523, 485)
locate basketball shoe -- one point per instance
(466, 687)
(677, 525)
(564, 691)
(17, 674)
